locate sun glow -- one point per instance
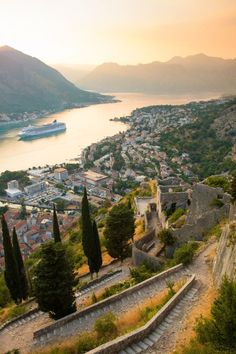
(124, 31)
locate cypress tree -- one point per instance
(56, 230)
(11, 270)
(54, 280)
(87, 233)
(20, 265)
(97, 249)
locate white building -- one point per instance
(13, 190)
(61, 174)
(35, 188)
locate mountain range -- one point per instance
(29, 85)
(192, 74)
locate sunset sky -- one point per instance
(123, 31)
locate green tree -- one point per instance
(23, 212)
(97, 249)
(11, 270)
(20, 265)
(220, 330)
(54, 280)
(87, 233)
(233, 188)
(166, 237)
(56, 229)
(119, 229)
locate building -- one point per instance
(13, 184)
(13, 190)
(94, 178)
(35, 188)
(61, 174)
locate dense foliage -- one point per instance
(166, 237)
(11, 270)
(90, 237)
(54, 280)
(20, 264)
(20, 176)
(206, 150)
(56, 230)
(119, 229)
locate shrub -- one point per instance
(220, 330)
(94, 298)
(85, 343)
(105, 327)
(216, 203)
(185, 253)
(115, 289)
(166, 237)
(17, 311)
(176, 215)
(5, 297)
(142, 273)
(218, 181)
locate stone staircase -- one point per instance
(145, 345)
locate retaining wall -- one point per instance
(121, 343)
(139, 256)
(69, 325)
(19, 318)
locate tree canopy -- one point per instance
(90, 237)
(56, 229)
(54, 280)
(11, 272)
(119, 229)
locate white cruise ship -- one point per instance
(43, 130)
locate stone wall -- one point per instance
(225, 261)
(202, 214)
(71, 324)
(139, 256)
(203, 224)
(202, 197)
(119, 344)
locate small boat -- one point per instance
(43, 130)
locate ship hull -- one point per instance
(31, 136)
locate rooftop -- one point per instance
(94, 175)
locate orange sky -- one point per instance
(123, 31)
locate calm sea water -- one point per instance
(84, 127)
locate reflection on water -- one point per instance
(84, 127)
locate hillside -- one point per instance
(193, 74)
(27, 85)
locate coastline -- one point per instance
(33, 116)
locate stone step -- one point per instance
(142, 345)
(136, 348)
(129, 350)
(154, 337)
(148, 341)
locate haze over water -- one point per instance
(84, 127)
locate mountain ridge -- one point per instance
(191, 74)
(28, 85)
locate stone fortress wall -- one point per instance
(203, 215)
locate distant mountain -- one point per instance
(74, 73)
(197, 73)
(28, 85)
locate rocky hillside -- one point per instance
(27, 85)
(193, 74)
